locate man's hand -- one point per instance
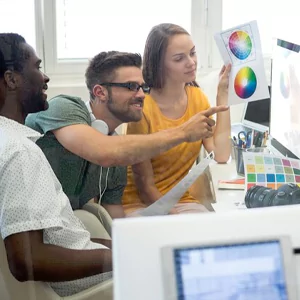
(200, 126)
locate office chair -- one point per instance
(101, 213)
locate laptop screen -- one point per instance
(239, 271)
(257, 113)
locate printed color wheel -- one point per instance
(245, 83)
(240, 44)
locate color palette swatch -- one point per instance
(245, 82)
(270, 171)
(240, 44)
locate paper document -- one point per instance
(240, 46)
(167, 202)
(228, 206)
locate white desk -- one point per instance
(226, 199)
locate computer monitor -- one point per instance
(257, 115)
(285, 102)
(251, 269)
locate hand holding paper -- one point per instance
(241, 47)
(167, 202)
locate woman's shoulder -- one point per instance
(195, 91)
(197, 97)
(149, 104)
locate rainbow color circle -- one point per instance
(240, 44)
(245, 83)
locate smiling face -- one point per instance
(33, 84)
(124, 104)
(180, 59)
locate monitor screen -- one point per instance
(240, 271)
(285, 104)
(257, 114)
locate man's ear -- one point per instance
(100, 92)
(10, 79)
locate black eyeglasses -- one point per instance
(132, 86)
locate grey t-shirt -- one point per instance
(78, 177)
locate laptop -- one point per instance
(253, 268)
(256, 115)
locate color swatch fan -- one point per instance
(270, 171)
(240, 44)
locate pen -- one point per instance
(235, 141)
(259, 139)
(264, 142)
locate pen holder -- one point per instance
(259, 149)
(239, 161)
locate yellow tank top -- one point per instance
(171, 166)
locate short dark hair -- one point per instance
(13, 54)
(155, 51)
(102, 67)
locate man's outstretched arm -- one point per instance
(90, 144)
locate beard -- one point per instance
(34, 103)
(124, 113)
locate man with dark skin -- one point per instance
(37, 221)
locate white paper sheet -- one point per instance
(228, 206)
(241, 47)
(167, 202)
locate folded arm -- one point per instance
(30, 259)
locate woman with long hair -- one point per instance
(169, 68)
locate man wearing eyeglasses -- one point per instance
(80, 141)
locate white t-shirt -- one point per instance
(32, 199)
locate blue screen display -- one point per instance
(231, 272)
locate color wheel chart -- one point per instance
(245, 82)
(240, 44)
(241, 50)
(270, 171)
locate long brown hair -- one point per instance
(155, 51)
